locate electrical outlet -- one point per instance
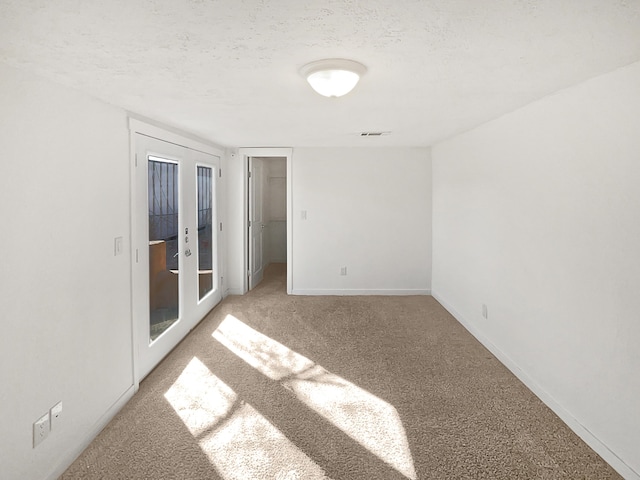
(56, 413)
(485, 313)
(343, 270)
(41, 428)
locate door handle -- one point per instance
(187, 252)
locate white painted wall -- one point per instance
(368, 209)
(536, 215)
(64, 296)
(276, 210)
(235, 229)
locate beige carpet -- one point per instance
(289, 388)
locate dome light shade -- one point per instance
(333, 77)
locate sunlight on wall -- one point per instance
(367, 419)
(239, 442)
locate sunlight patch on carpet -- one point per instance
(367, 419)
(200, 398)
(238, 440)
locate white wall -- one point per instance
(235, 229)
(536, 215)
(64, 296)
(368, 209)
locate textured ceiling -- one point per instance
(228, 69)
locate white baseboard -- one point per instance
(68, 459)
(234, 291)
(583, 432)
(347, 292)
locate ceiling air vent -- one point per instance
(374, 134)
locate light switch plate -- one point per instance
(117, 246)
(56, 413)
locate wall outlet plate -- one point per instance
(41, 428)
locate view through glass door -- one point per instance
(176, 277)
(205, 230)
(164, 265)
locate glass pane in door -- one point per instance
(205, 230)
(164, 265)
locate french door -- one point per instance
(176, 275)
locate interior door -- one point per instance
(256, 221)
(176, 275)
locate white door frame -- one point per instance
(140, 127)
(244, 154)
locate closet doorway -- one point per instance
(267, 215)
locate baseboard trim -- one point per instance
(583, 432)
(72, 455)
(353, 292)
(235, 291)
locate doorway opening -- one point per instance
(267, 217)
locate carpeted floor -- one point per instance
(271, 386)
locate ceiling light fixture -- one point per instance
(333, 77)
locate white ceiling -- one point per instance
(227, 70)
